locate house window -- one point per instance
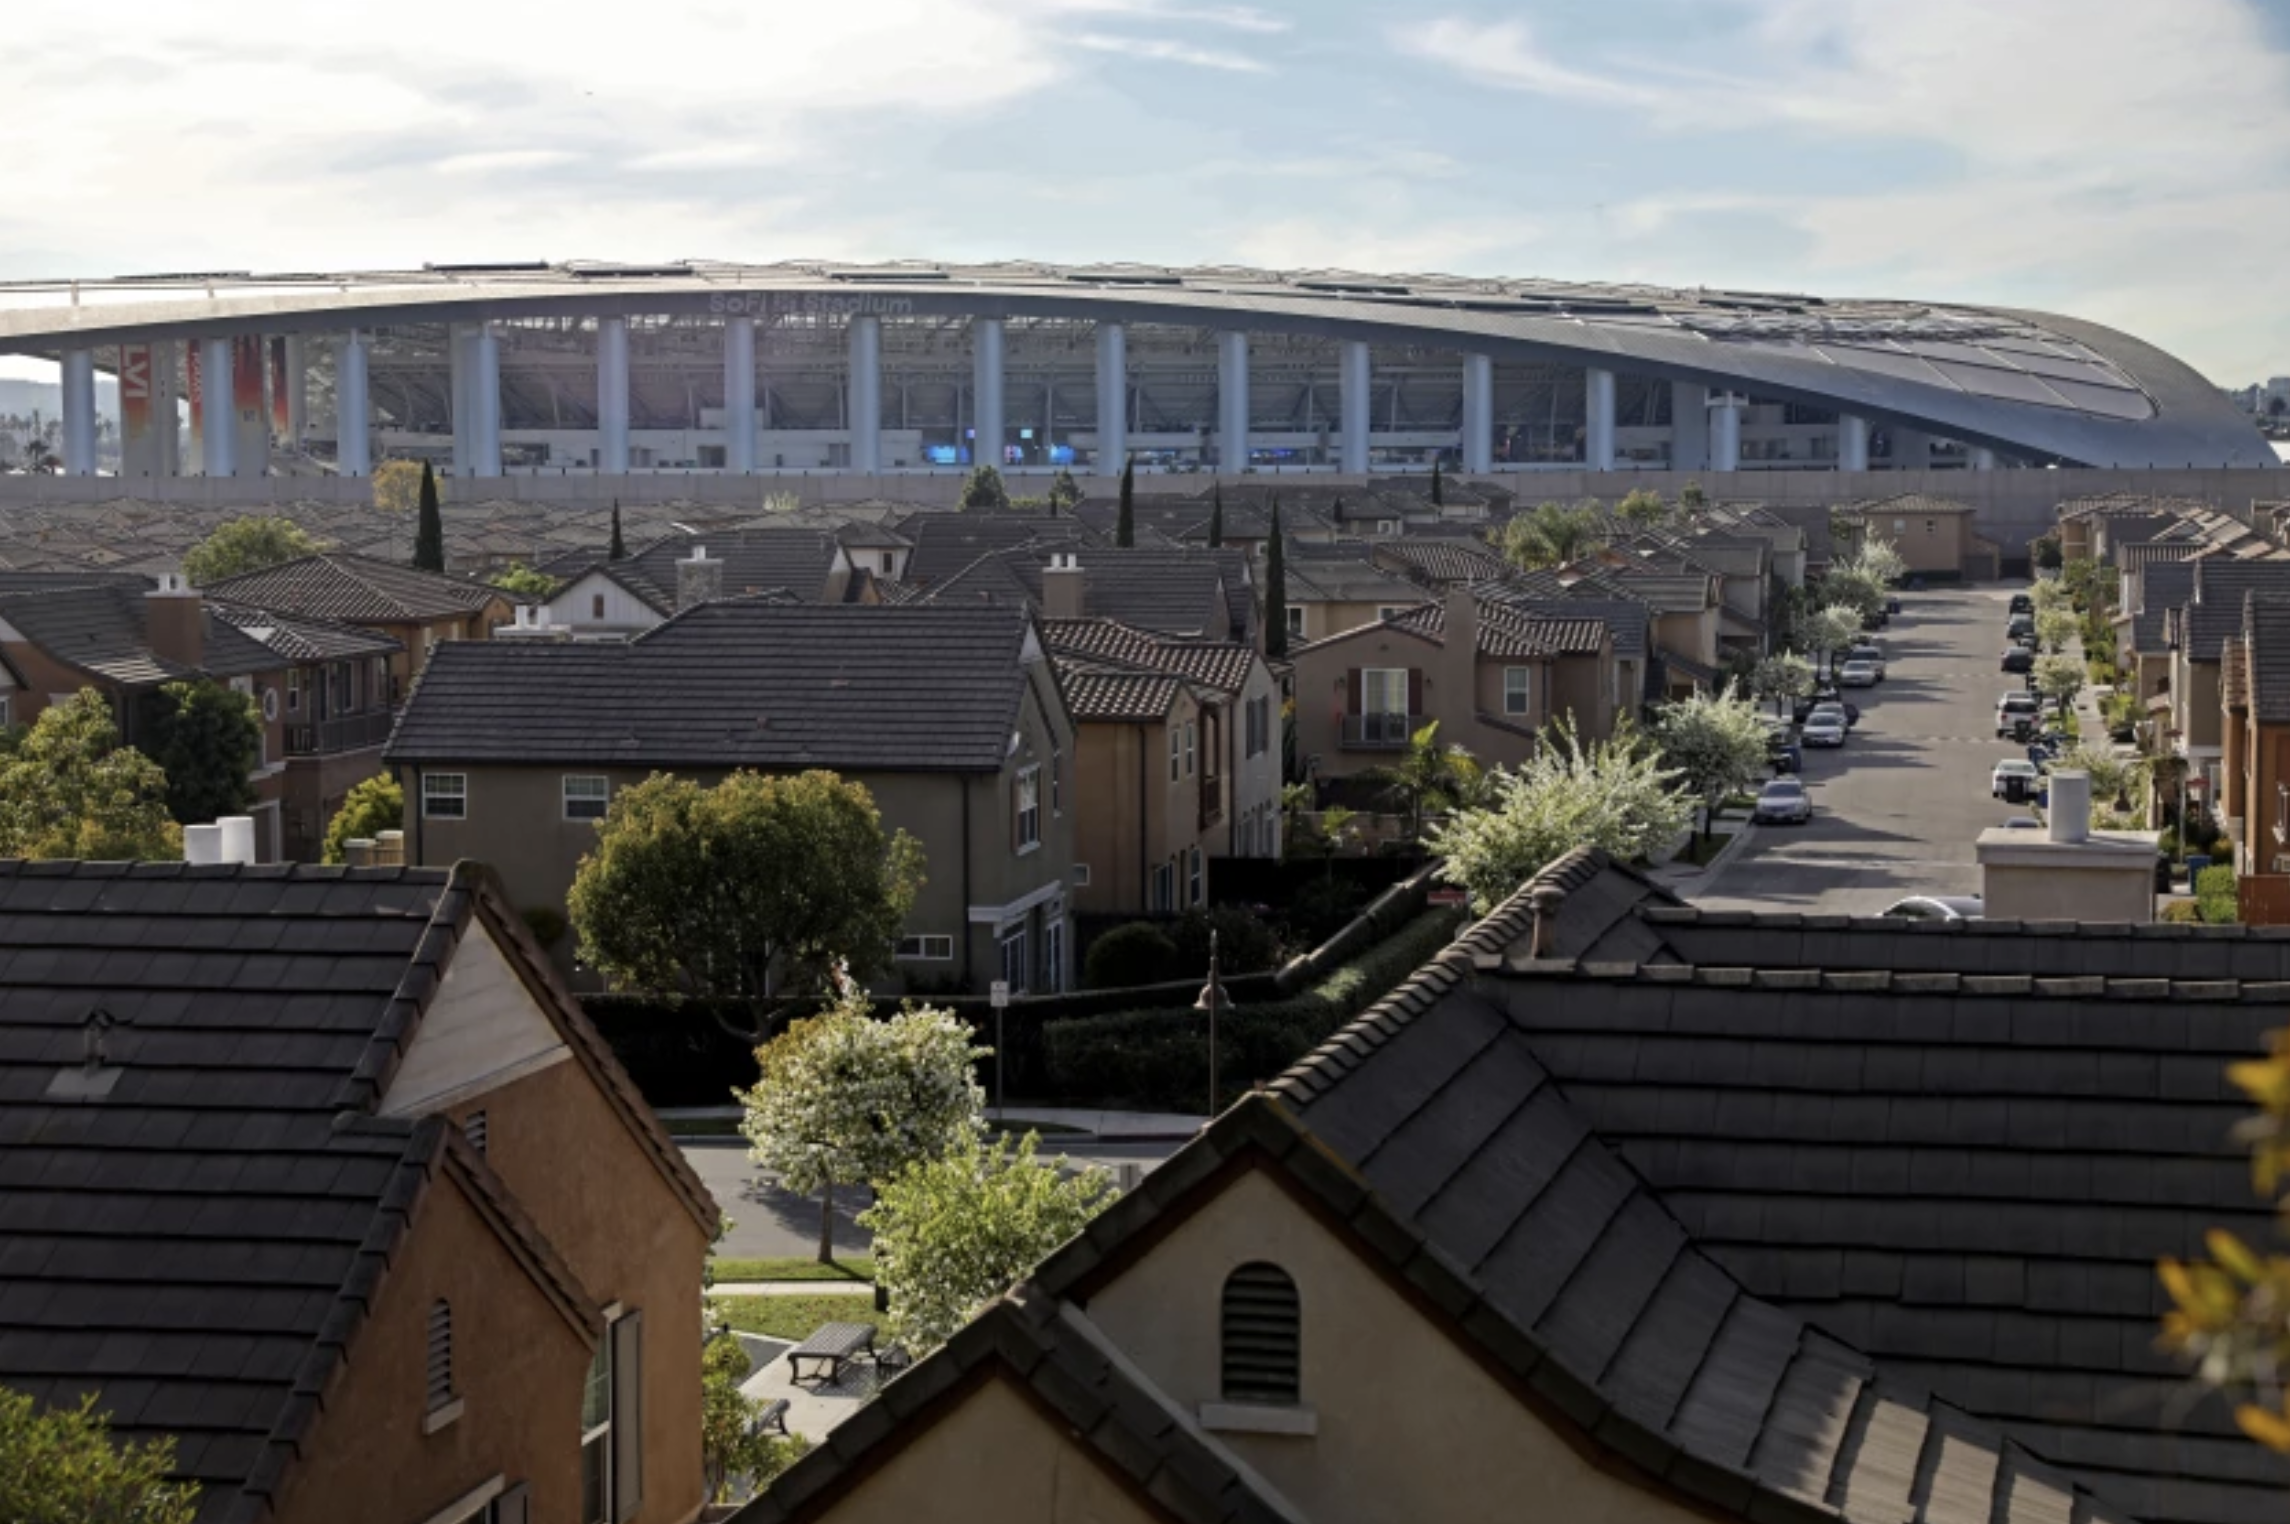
(596, 606)
(611, 1424)
(1295, 620)
(1932, 526)
(6, 711)
(1029, 794)
(1383, 690)
(1515, 690)
(1176, 754)
(586, 796)
(1164, 888)
(293, 690)
(445, 796)
(1262, 1336)
(270, 705)
(1081, 875)
(1196, 881)
(477, 1130)
(1390, 611)
(1016, 971)
(1057, 782)
(927, 948)
(1053, 958)
(440, 1368)
(890, 563)
(1191, 738)
(1900, 526)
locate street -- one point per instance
(1897, 808)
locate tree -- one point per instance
(1855, 586)
(2055, 628)
(2113, 777)
(843, 1097)
(1691, 498)
(1780, 678)
(1064, 492)
(983, 492)
(247, 544)
(207, 739)
(2059, 678)
(1617, 795)
(1275, 588)
(1438, 486)
(2051, 593)
(1125, 525)
(733, 1445)
(59, 1466)
(1551, 534)
(750, 891)
(1881, 561)
(1642, 509)
(1216, 516)
(397, 486)
(68, 788)
(956, 1231)
(2044, 550)
(1717, 744)
(2085, 581)
(523, 581)
(429, 533)
(618, 549)
(370, 808)
(1428, 777)
(1834, 628)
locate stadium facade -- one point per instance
(589, 368)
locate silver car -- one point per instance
(1823, 730)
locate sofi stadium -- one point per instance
(592, 368)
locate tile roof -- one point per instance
(740, 683)
(298, 639)
(2215, 616)
(100, 629)
(1504, 631)
(753, 560)
(356, 588)
(1342, 579)
(1097, 692)
(946, 543)
(2265, 668)
(1445, 561)
(1629, 620)
(1170, 592)
(1218, 664)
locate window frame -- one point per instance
(1081, 875)
(1016, 954)
(1523, 677)
(598, 1434)
(1176, 754)
(1026, 808)
(1192, 748)
(1295, 614)
(916, 948)
(1368, 676)
(565, 797)
(432, 794)
(1057, 782)
(1196, 880)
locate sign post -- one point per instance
(999, 994)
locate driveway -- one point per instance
(1897, 809)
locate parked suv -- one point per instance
(2015, 707)
(1869, 653)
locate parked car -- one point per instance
(2019, 659)
(1824, 729)
(1850, 714)
(1786, 758)
(2022, 627)
(1936, 907)
(2015, 707)
(1892, 604)
(1858, 674)
(1782, 802)
(2023, 603)
(2000, 780)
(1870, 653)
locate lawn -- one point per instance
(857, 1267)
(790, 1317)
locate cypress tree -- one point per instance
(1125, 527)
(1216, 517)
(618, 549)
(1438, 488)
(429, 532)
(1275, 589)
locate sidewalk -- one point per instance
(792, 1288)
(1064, 1125)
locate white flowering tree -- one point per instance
(846, 1098)
(2055, 627)
(956, 1231)
(1853, 586)
(1780, 678)
(1880, 559)
(2060, 679)
(1833, 627)
(1616, 795)
(1717, 744)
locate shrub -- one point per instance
(1138, 953)
(1245, 944)
(2181, 913)
(1318, 910)
(2216, 897)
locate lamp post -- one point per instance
(1213, 999)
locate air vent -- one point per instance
(473, 1126)
(1262, 1327)
(440, 1354)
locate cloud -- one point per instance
(1168, 50)
(1504, 54)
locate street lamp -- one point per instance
(1213, 999)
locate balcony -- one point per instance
(349, 732)
(1380, 732)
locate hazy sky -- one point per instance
(2124, 160)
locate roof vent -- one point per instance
(96, 1075)
(1542, 941)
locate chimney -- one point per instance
(203, 844)
(238, 838)
(389, 849)
(2070, 809)
(175, 621)
(1065, 587)
(698, 580)
(358, 852)
(1455, 691)
(1542, 942)
(2199, 578)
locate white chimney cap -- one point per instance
(238, 838)
(203, 844)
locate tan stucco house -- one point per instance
(419, 610)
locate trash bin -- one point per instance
(2196, 862)
(2015, 789)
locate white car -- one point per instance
(1823, 730)
(1857, 674)
(1936, 907)
(2027, 772)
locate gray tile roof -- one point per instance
(359, 589)
(2161, 587)
(946, 543)
(740, 683)
(1220, 664)
(1170, 592)
(754, 559)
(1630, 621)
(2267, 623)
(2217, 616)
(299, 639)
(1097, 691)
(100, 629)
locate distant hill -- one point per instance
(47, 398)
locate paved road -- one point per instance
(1897, 810)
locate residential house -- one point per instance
(2202, 602)
(618, 599)
(417, 609)
(1439, 562)
(320, 1174)
(1197, 594)
(1337, 587)
(1936, 536)
(1490, 675)
(510, 752)
(1621, 1210)
(1687, 615)
(1639, 679)
(1148, 790)
(948, 543)
(1787, 542)
(1240, 736)
(2254, 783)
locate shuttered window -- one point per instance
(1261, 1334)
(440, 1354)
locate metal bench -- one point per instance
(773, 1416)
(832, 1345)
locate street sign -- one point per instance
(999, 993)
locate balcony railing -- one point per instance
(1380, 732)
(349, 732)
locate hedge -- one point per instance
(1158, 1059)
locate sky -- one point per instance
(2126, 161)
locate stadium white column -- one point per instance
(866, 394)
(1852, 442)
(1478, 413)
(612, 395)
(1112, 398)
(485, 364)
(739, 394)
(987, 425)
(1725, 431)
(1689, 426)
(1353, 398)
(1598, 419)
(79, 412)
(1232, 401)
(353, 447)
(218, 412)
(458, 384)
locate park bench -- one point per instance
(831, 1345)
(773, 1416)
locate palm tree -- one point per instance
(1551, 534)
(1429, 777)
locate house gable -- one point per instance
(483, 1029)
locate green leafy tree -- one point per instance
(522, 581)
(1829, 629)
(241, 545)
(2086, 582)
(1064, 492)
(956, 1231)
(749, 891)
(371, 807)
(429, 532)
(1643, 509)
(2117, 782)
(1618, 795)
(1781, 678)
(2055, 628)
(1216, 516)
(1428, 777)
(2060, 679)
(618, 549)
(68, 788)
(2051, 593)
(397, 485)
(1275, 588)
(1551, 534)
(735, 1452)
(1125, 521)
(207, 739)
(844, 1098)
(983, 492)
(1853, 585)
(61, 1466)
(1691, 497)
(1717, 744)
